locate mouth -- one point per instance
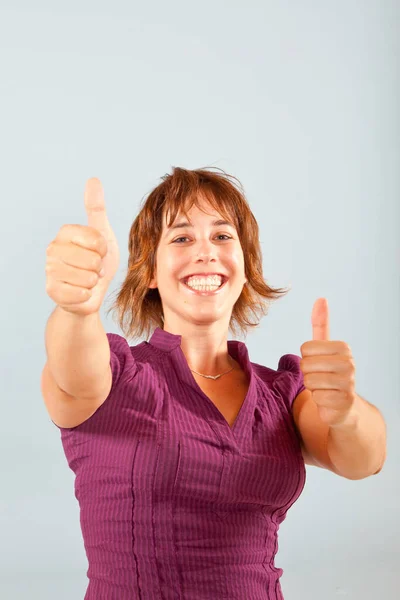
(224, 280)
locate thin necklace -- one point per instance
(212, 376)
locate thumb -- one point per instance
(95, 206)
(320, 319)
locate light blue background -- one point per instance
(299, 100)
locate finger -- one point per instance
(320, 320)
(95, 206)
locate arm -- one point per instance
(353, 451)
(78, 353)
(357, 448)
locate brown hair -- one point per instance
(139, 307)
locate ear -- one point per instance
(153, 283)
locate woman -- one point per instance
(185, 452)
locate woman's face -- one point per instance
(198, 247)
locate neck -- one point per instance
(205, 348)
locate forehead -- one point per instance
(201, 208)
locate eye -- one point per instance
(185, 238)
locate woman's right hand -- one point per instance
(78, 253)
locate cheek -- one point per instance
(172, 264)
(237, 260)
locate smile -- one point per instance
(204, 293)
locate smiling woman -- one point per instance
(187, 458)
(138, 304)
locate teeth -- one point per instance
(204, 288)
(195, 282)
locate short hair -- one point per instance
(138, 307)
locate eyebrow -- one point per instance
(216, 223)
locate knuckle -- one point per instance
(99, 241)
(351, 367)
(97, 263)
(93, 279)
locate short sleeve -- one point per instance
(290, 381)
(123, 364)
(123, 367)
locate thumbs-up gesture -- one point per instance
(329, 370)
(83, 259)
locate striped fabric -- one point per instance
(175, 503)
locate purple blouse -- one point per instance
(175, 503)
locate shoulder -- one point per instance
(286, 381)
(288, 365)
(128, 361)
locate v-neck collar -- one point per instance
(171, 343)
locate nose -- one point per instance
(204, 256)
(205, 250)
(204, 260)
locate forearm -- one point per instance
(357, 448)
(78, 352)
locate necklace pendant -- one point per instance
(214, 377)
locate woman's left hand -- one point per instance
(329, 371)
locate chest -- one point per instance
(228, 396)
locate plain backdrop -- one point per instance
(299, 100)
